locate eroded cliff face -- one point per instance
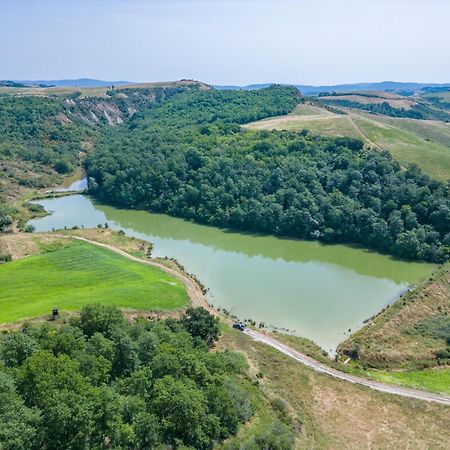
(96, 110)
(66, 125)
(117, 105)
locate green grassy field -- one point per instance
(73, 276)
(436, 380)
(410, 141)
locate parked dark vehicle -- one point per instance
(239, 326)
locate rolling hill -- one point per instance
(422, 142)
(384, 86)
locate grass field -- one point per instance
(75, 275)
(436, 380)
(423, 142)
(410, 141)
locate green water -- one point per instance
(316, 291)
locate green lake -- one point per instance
(316, 291)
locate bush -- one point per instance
(201, 324)
(5, 257)
(63, 166)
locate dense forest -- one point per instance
(188, 157)
(101, 382)
(40, 130)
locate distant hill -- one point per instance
(385, 86)
(81, 82)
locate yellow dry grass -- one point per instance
(385, 341)
(332, 414)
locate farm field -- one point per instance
(80, 273)
(422, 142)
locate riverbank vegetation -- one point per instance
(188, 157)
(70, 274)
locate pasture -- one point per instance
(435, 380)
(81, 273)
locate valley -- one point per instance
(321, 229)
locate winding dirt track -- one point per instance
(198, 299)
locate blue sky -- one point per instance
(226, 41)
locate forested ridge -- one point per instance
(41, 130)
(43, 138)
(189, 157)
(99, 382)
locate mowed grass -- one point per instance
(408, 146)
(435, 380)
(73, 276)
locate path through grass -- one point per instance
(423, 142)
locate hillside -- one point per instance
(76, 273)
(387, 104)
(46, 132)
(422, 142)
(266, 399)
(86, 90)
(384, 86)
(80, 82)
(411, 334)
(186, 150)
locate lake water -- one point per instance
(316, 291)
(77, 185)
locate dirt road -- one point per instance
(323, 368)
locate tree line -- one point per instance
(420, 111)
